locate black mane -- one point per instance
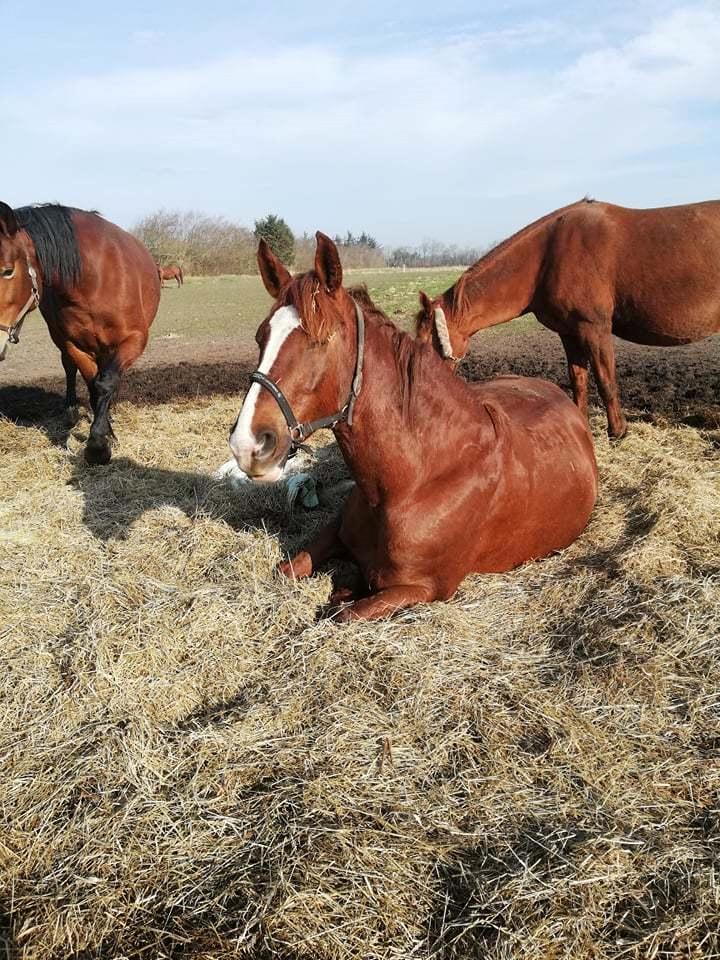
(52, 232)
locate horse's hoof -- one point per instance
(72, 415)
(616, 438)
(299, 566)
(286, 569)
(340, 596)
(98, 452)
(343, 614)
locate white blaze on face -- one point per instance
(242, 441)
(4, 341)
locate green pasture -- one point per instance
(229, 306)
(224, 312)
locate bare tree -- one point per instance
(201, 244)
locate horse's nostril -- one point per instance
(266, 444)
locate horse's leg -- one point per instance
(177, 277)
(326, 545)
(385, 603)
(577, 359)
(72, 414)
(84, 363)
(98, 449)
(602, 358)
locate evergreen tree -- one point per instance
(278, 236)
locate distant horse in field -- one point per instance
(97, 288)
(172, 272)
(588, 271)
(451, 477)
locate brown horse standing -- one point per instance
(588, 271)
(451, 477)
(171, 272)
(97, 288)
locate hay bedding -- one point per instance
(191, 766)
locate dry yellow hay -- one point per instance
(191, 766)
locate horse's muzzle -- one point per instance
(263, 460)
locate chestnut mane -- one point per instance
(409, 355)
(317, 310)
(414, 362)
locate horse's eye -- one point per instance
(7, 273)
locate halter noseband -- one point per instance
(33, 301)
(299, 432)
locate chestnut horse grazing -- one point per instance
(172, 272)
(451, 477)
(588, 271)
(97, 288)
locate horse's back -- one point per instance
(533, 405)
(103, 239)
(653, 271)
(118, 270)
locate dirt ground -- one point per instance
(680, 385)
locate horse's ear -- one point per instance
(327, 263)
(425, 302)
(273, 271)
(8, 220)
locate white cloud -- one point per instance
(677, 58)
(441, 120)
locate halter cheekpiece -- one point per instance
(299, 432)
(13, 331)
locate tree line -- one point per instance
(210, 246)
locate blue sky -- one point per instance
(455, 121)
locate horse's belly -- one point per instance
(662, 327)
(547, 476)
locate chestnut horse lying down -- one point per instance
(451, 477)
(588, 271)
(97, 288)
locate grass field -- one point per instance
(193, 766)
(208, 305)
(223, 313)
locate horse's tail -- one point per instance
(181, 276)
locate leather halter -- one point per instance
(33, 301)
(299, 432)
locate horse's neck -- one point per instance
(395, 429)
(502, 285)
